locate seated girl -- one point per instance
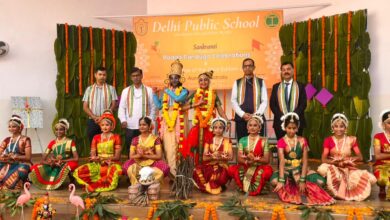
(103, 171)
(59, 159)
(344, 181)
(253, 170)
(294, 181)
(145, 150)
(212, 175)
(15, 156)
(382, 155)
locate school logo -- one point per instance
(272, 20)
(141, 27)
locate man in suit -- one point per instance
(249, 96)
(287, 96)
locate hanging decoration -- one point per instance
(91, 47)
(295, 49)
(113, 59)
(309, 51)
(80, 61)
(124, 59)
(349, 49)
(323, 51)
(104, 46)
(335, 84)
(66, 58)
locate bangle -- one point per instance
(302, 179)
(281, 180)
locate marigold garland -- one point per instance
(91, 47)
(176, 109)
(309, 51)
(104, 46)
(210, 209)
(207, 109)
(323, 50)
(37, 204)
(295, 49)
(124, 59)
(349, 49)
(66, 59)
(278, 211)
(80, 62)
(113, 58)
(335, 53)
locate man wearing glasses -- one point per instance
(136, 102)
(249, 97)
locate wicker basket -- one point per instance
(133, 191)
(154, 191)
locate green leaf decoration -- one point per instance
(70, 106)
(352, 100)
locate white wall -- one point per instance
(378, 27)
(29, 69)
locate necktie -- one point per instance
(286, 96)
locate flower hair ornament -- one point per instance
(218, 119)
(383, 117)
(62, 123)
(293, 116)
(17, 120)
(108, 116)
(209, 74)
(339, 116)
(258, 118)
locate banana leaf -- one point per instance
(68, 108)
(361, 106)
(72, 33)
(363, 135)
(60, 106)
(301, 34)
(58, 49)
(85, 39)
(359, 22)
(133, 43)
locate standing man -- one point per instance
(136, 102)
(249, 97)
(287, 96)
(97, 98)
(173, 121)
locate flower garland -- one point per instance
(323, 51)
(91, 47)
(210, 97)
(104, 46)
(278, 211)
(124, 60)
(354, 212)
(80, 62)
(151, 212)
(113, 58)
(66, 59)
(210, 209)
(37, 204)
(89, 203)
(335, 52)
(176, 109)
(309, 51)
(349, 49)
(295, 49)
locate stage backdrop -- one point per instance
(204, 42)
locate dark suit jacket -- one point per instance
(300, 109)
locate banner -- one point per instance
(217, 42)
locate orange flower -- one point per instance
(124, 59)
(323, 50)
(295, 49)
(335, 52)
(80, 62)
(66, 59)
(91, 47)
(104, 46)
(349, 49)
(309, 51)
(113, 58)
